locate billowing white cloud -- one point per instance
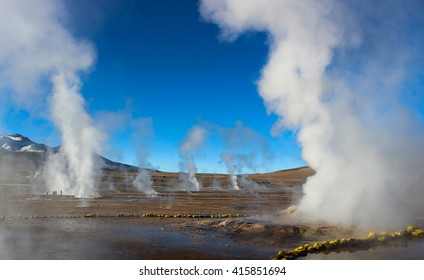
(337, 82)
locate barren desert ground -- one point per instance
(213, 223)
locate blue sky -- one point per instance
(160, 60)
(161, 69)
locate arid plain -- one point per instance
(215, 222)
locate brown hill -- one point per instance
(289, 177)
(281, 178)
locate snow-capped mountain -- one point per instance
(18, 148)
(20, 143)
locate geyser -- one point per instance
(246, 150)
(344, 76)
(38, 53)
(143, 183)
(228, 160)
(192, 142)
(143, 130)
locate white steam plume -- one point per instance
(246, 149)
(139, 133)
(144, 184)
(143, 127)
(36, 50)
(228, 160)
(81, 140)
(193, 141)
(336, 72)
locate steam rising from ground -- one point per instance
(339, 73)
(144, 184)
(143, 127)
(80, 139)
(228, 159)
(37, 50)
(246, 150)
(193, 141)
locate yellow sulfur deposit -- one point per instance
(196, 216)
(365, 243)
(418, 233)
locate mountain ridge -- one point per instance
(17, 147)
